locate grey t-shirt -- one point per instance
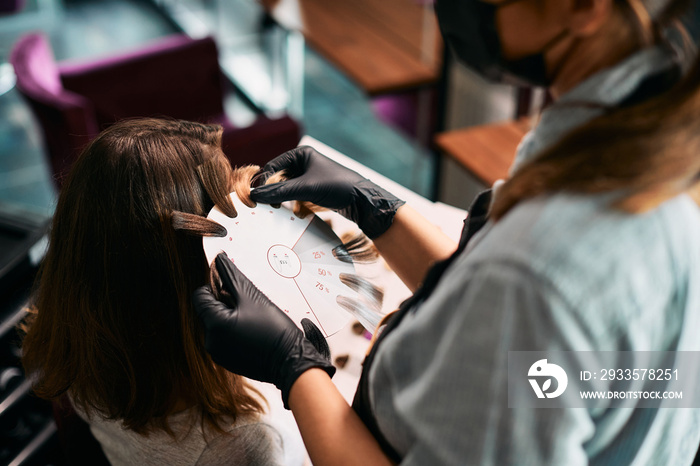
(270, 439)
(561, 272)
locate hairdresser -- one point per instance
(591, 244)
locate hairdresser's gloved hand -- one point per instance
(251, 336)
(318, 179)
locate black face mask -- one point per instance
(469, 28)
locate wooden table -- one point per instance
(486, 151)
(383, 45)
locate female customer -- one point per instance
(112, 324)
(592, 244)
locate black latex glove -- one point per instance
(318, 179)
(253, 337)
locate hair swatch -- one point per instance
(367, 309)
(368, 317)
(197, 225)
(364, 287)
(355, 247)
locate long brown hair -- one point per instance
(648, 152)
(112, 323)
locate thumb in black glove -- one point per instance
(252, 337)
(318, 179)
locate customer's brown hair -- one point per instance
(112, 323)
(648, 153)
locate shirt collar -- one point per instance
(604, 89)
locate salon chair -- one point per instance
(11, 6)
(8, 8)
(176, 77)
(413, 112)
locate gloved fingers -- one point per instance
(274, 165)
(315, 336)
(237, 284)
(293, 161)
(201, 299)
(231, 277)
(208, 308)
(275, 193)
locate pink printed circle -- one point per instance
(284, 261)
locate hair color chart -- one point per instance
(289, 259)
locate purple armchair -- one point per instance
(11, 6)
(177, 77)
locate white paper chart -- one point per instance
(288, 258)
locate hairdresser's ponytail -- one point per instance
(648, 153)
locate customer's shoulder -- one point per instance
(249, 440)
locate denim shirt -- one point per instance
(559, 272)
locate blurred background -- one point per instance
(368, 78)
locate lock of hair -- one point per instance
(242, 179)
(368, 317)
(196, 225)
(216, 178)
(357, 248)
(363, 287)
